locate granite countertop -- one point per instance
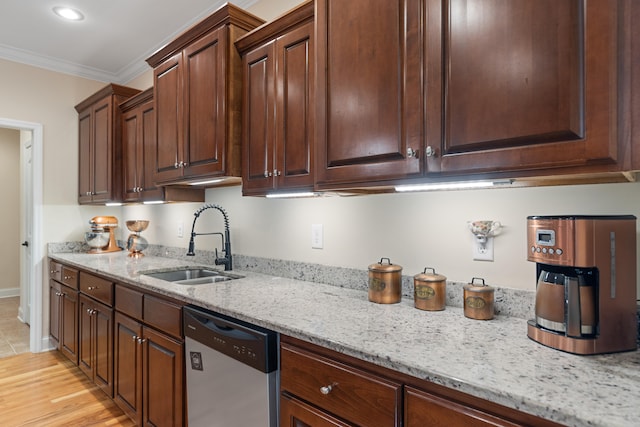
(493, 360)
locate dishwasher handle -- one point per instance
(222, 328)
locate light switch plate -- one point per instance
(483, 252)
(180, 229)
(316, 236)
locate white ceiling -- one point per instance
(110, 44)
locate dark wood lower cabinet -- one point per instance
(163, 392)
(149, 385)
(127, 391)
(95, 356)
(63, 311)
(320, 387)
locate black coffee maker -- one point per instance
(586, 288)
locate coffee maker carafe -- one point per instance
(586, 288)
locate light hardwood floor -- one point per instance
(47, 390)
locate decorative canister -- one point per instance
(430, 290)
(478, 300)
(385, 282)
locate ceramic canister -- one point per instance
(478, 300)
(430, 290)
(385, 282)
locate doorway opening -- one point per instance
(31, 274)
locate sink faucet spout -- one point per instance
(225, 260)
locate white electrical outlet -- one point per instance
(180, 230)
(483, 252)
(316, 236)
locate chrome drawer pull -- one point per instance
(91, 288)
(327, 389)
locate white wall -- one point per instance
(414, 230)
(10, 211)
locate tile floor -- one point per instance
(14, 335)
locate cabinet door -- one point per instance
(147, 151)
(95, 356)
(425, 409)
(369, 93)
(55, 307)
(69, 324)
(529, 84)
(138, 138)
(163, 380)
(128, 367)
(167, 95)
(205, 105)
(294, 413)
(259, 117)
(103, 156)
(86, 336)
(294, 108)
(132, 154)
(103, 348)
(85, 169)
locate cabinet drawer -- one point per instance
(69, 277)
(55, 271)
(163, 314)
(355, 395)
(129, 302)
(425, 409)
(97, 288)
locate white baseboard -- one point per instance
(11, 292)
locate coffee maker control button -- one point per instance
(559, 251)
(551, 251)
(533, 249)
(538, 250)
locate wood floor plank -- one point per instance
(46, 389)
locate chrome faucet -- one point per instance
(226, 239)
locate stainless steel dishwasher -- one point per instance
(231, 370)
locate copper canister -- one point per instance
(430, 290)
(385, 282)
(478, 300)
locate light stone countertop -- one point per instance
(493, 360)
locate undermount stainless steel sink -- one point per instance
(192, 276)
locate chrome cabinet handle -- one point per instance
(91, 288)
(141, 340)
(327, 389)
(412, 153)
(430, 151)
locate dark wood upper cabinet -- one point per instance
(197, 95)
(138, 136)
(100, 145)
(139, 155)
(278, 104)
(523, 85)
(415, 90)
(370, 101)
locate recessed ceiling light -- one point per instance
(68, 13)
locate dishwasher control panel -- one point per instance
(250, 344)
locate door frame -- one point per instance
(37, 342)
